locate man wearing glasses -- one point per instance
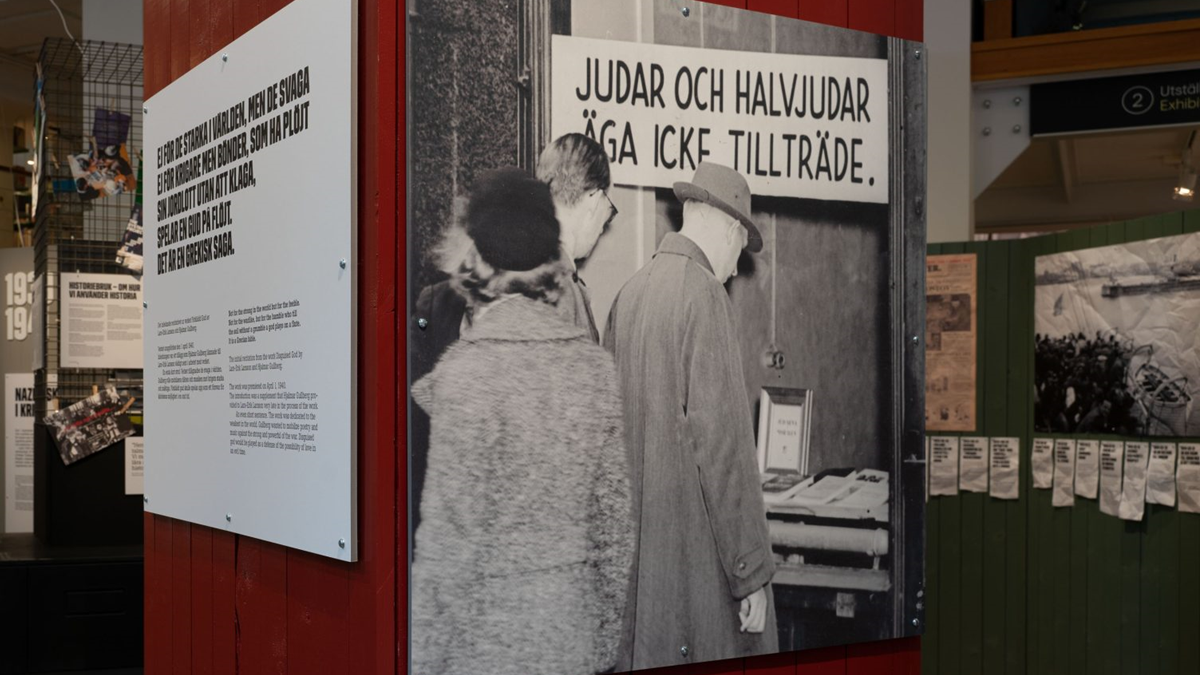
(576, 169)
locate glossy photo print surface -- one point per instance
(1117, 349)
(665, 389)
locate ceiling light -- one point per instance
(1185, 188)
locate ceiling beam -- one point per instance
(1011, 208)
(37, 14)
(1068, 168)
(1039, 56)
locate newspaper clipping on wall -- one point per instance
(950, 296)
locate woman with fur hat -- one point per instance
(524, 550)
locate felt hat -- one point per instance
(510, 217)
(726, 189)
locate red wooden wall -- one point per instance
(219, 603)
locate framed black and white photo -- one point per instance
(641, 243)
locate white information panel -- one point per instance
(18, 452)
(249, 275)
(101, 319)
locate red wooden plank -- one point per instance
(202, 600)
(372, 581)
(774, 664)
(828, 661)
(910, 19)
(220, 22)
(728, 3)
(269, 7)
(788, 8)
(317, 615)
(261, 606)
(401, 366)
(157, 571)
(181, 598)
(246, 15)
(908, 656)
(873, 16)
(870, 658)
(200, 45)
(224, 614)
(830, 12)
(180, 27)
(156, 26)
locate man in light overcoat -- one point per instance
(700, 585)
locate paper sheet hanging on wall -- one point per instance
(110, 127)
(1133, 484)
(1005, 482)
(1160, 477)
(1042, 463)
(104, 171)
(943, 469)
(1087, 468)
(973, 464)
(1187, 479)
(1112, 454)
(90, 425)
(130, 253)
(135, 465)
(1064, 472)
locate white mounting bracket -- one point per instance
(999, 132)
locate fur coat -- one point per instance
(525, 546)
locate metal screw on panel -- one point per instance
(342, 263)
(683, 651)
(920, 605)
(686, 12)
(987, 102)
(144, 305)
(1016, 100)
(145, 500)
(915, 339)
(916, 622)
(423, 323)
(1016, 128)
(987, 131)
(145, 110)
(229, 517)
(225, 57)
(341, 543)
(917, 54)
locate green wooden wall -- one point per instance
(1019, 587)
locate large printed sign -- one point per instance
(813, 127)
(249, 275)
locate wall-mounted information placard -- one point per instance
(250, 220)
(101, 319)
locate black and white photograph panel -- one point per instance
(663, 407)
(1118, 339)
